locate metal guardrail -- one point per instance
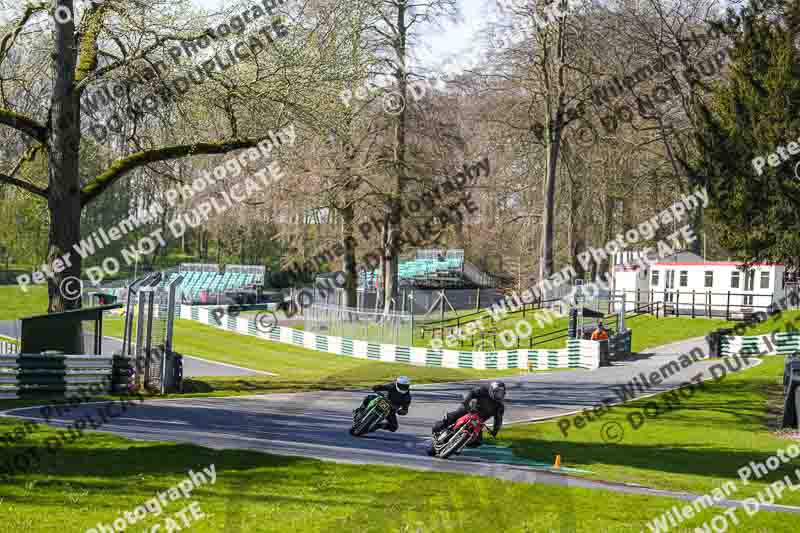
(791, 388)
(24, 375)
(8, 347)
(696, 303)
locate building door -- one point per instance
(749, 283)
(669, 285)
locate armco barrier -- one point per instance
(791, 387)
(578, 354)
(26, 375)
(8, 347)
(621, 343)
(776, 343)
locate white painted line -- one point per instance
(231, 366)
(151, 421)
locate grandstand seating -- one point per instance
(196, 281)
(433, 267)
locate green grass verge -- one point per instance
(99, 477)
(648, 331)
(16, 303)
(786, 321)
(297, 368)
(694, 448)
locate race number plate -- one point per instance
(384, 406)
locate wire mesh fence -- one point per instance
(372, 326)
(149, 320)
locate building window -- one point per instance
(735, 279)
(655, 278)
(765, 280)
(684, 278)
(709, 278)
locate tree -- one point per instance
(743, 135)
(133, 43)
(394, 30)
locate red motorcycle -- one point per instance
(455, 438)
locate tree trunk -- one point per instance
(64, 199)
(351, 276)
(389, 263)
(575, 241)
(392, 224)
(608, 231)
(548, 219)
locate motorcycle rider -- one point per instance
(398, 393)
(487, 401)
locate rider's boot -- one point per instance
(440, 431)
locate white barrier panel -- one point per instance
(578, 354)
(335, 345)
(360, 349)
(449, 359)
(419, 356)
(387, 353)
(760, 345)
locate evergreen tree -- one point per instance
(752, 114)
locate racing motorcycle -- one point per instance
(370, 418)
(453, 439)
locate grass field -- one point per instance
(99, 477)
(15, 303)
(786, 321)
(297, 368)
(694, 447)
(648, 331)
(302, 369)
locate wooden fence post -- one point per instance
(728, 307)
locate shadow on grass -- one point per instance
(705, 436)
(152, 468)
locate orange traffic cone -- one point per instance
(557, 464)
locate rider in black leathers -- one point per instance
(487, 401)
(398, 393)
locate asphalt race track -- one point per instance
(316, 424)
(192, 366)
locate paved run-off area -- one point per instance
(315, 424)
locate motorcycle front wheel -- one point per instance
(455, 444)
(363, 426)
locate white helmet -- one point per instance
(403, 384)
